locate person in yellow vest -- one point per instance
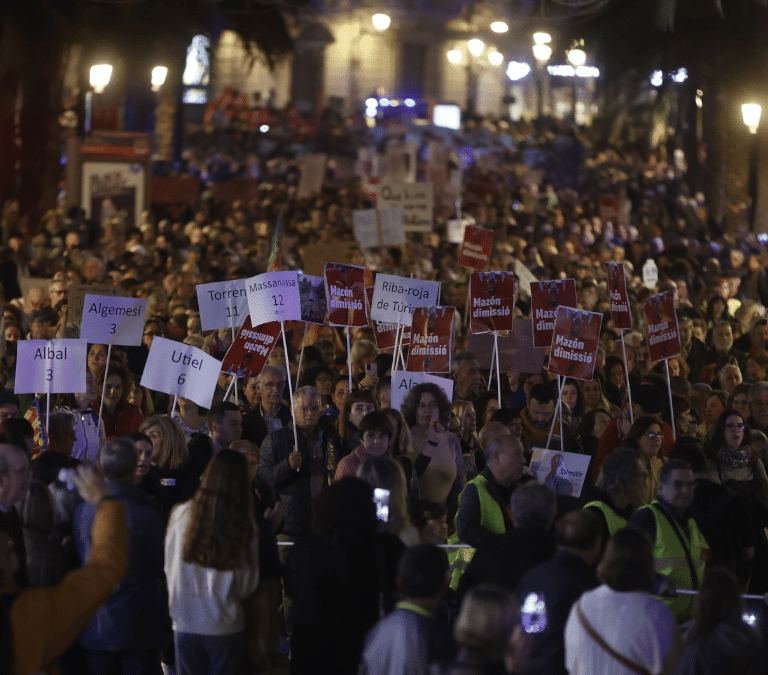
(679, 548)
(620, 490)
(484, 502)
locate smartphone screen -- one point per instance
(381, 499)
(371, 369)
(533, 613)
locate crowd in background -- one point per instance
(248, 538)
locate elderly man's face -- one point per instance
(722, 338)
(468, 378)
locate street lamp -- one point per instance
(381, 21)
(100, 76)
(751, 112)
(577, 57)
(495, 58)
(542, 52)
(159, 73)
(499, 27)
(455, 56)
(475, 46)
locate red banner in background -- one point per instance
(617, 293)
(476, 250)
(574, 343)
(546, 297)
(345, 293)
(661, 330)
(251, 349)
(492, 301)
(431, 340)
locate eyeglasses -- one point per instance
(654, 436)
(735, 427)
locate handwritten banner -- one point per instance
(76, 299)
(415, 199)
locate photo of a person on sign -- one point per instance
(554, 295)
(554, 481)
(244, 365)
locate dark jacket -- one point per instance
(504, 560)
(293, 487)
(255, 428)
(560, 580)
(135, 617)
(339, 448)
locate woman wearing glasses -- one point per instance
(646, 436)
(437, 452)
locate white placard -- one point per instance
(223, 304)
(415, 199)
(563, 472)
(181, 370)
(384, 227)
(109, 319)
(274, 296)
(403, 381)
(396, 298)
(650, 274)
(55, 366)
(524, 279)
(312, 175)
(455, 229)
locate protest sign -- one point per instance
(312, 175)
(399, 162)
(249, 352)
(313, 302)
(395, 298)
(562, 472)
(415, 199)
(181, 370)
(403, 382)
(50, 366)
(345, 290)
(112, 320)
(661, 330)
(476, 248)
(617, 292)
(525, 278)
(273, 296)
(574, 343)
(222, 304)
(609, 208)
(379, 227)
(492, 301)
(516, 350)
(385, 334)
(546, 297)
(431, 340)
(454, 229)
(77, 294)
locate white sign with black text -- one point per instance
(181, 370)
(274, 296)
(50, 366)
(396, 298)
(223, 304)
(403, 381)
(113, 320)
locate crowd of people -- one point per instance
(329, 531)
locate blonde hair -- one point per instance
(172, 452)
(488, 616)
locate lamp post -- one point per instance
(542, 52)
(577, 57)
(478, 54)
(750, 113)
(380, 22)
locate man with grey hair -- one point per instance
(505, 559)
(758, 406)
(128, 630)
(621, 490)
(466, 376)
(272, 414)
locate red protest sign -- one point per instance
(492, 301)
(574, 343)
(661, 329)
(609, 208)
(251, 349)
(385, 334)
(431, 340)
(476, 250)
(345, 291)
(617, 292)
(546, 297)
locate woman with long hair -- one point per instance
(573, 400)
(119, 417)
(594, 397)
(212, 565)
(437, 452)
(720, 641)
(356, 406)
(646, 436)
(716, 405)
